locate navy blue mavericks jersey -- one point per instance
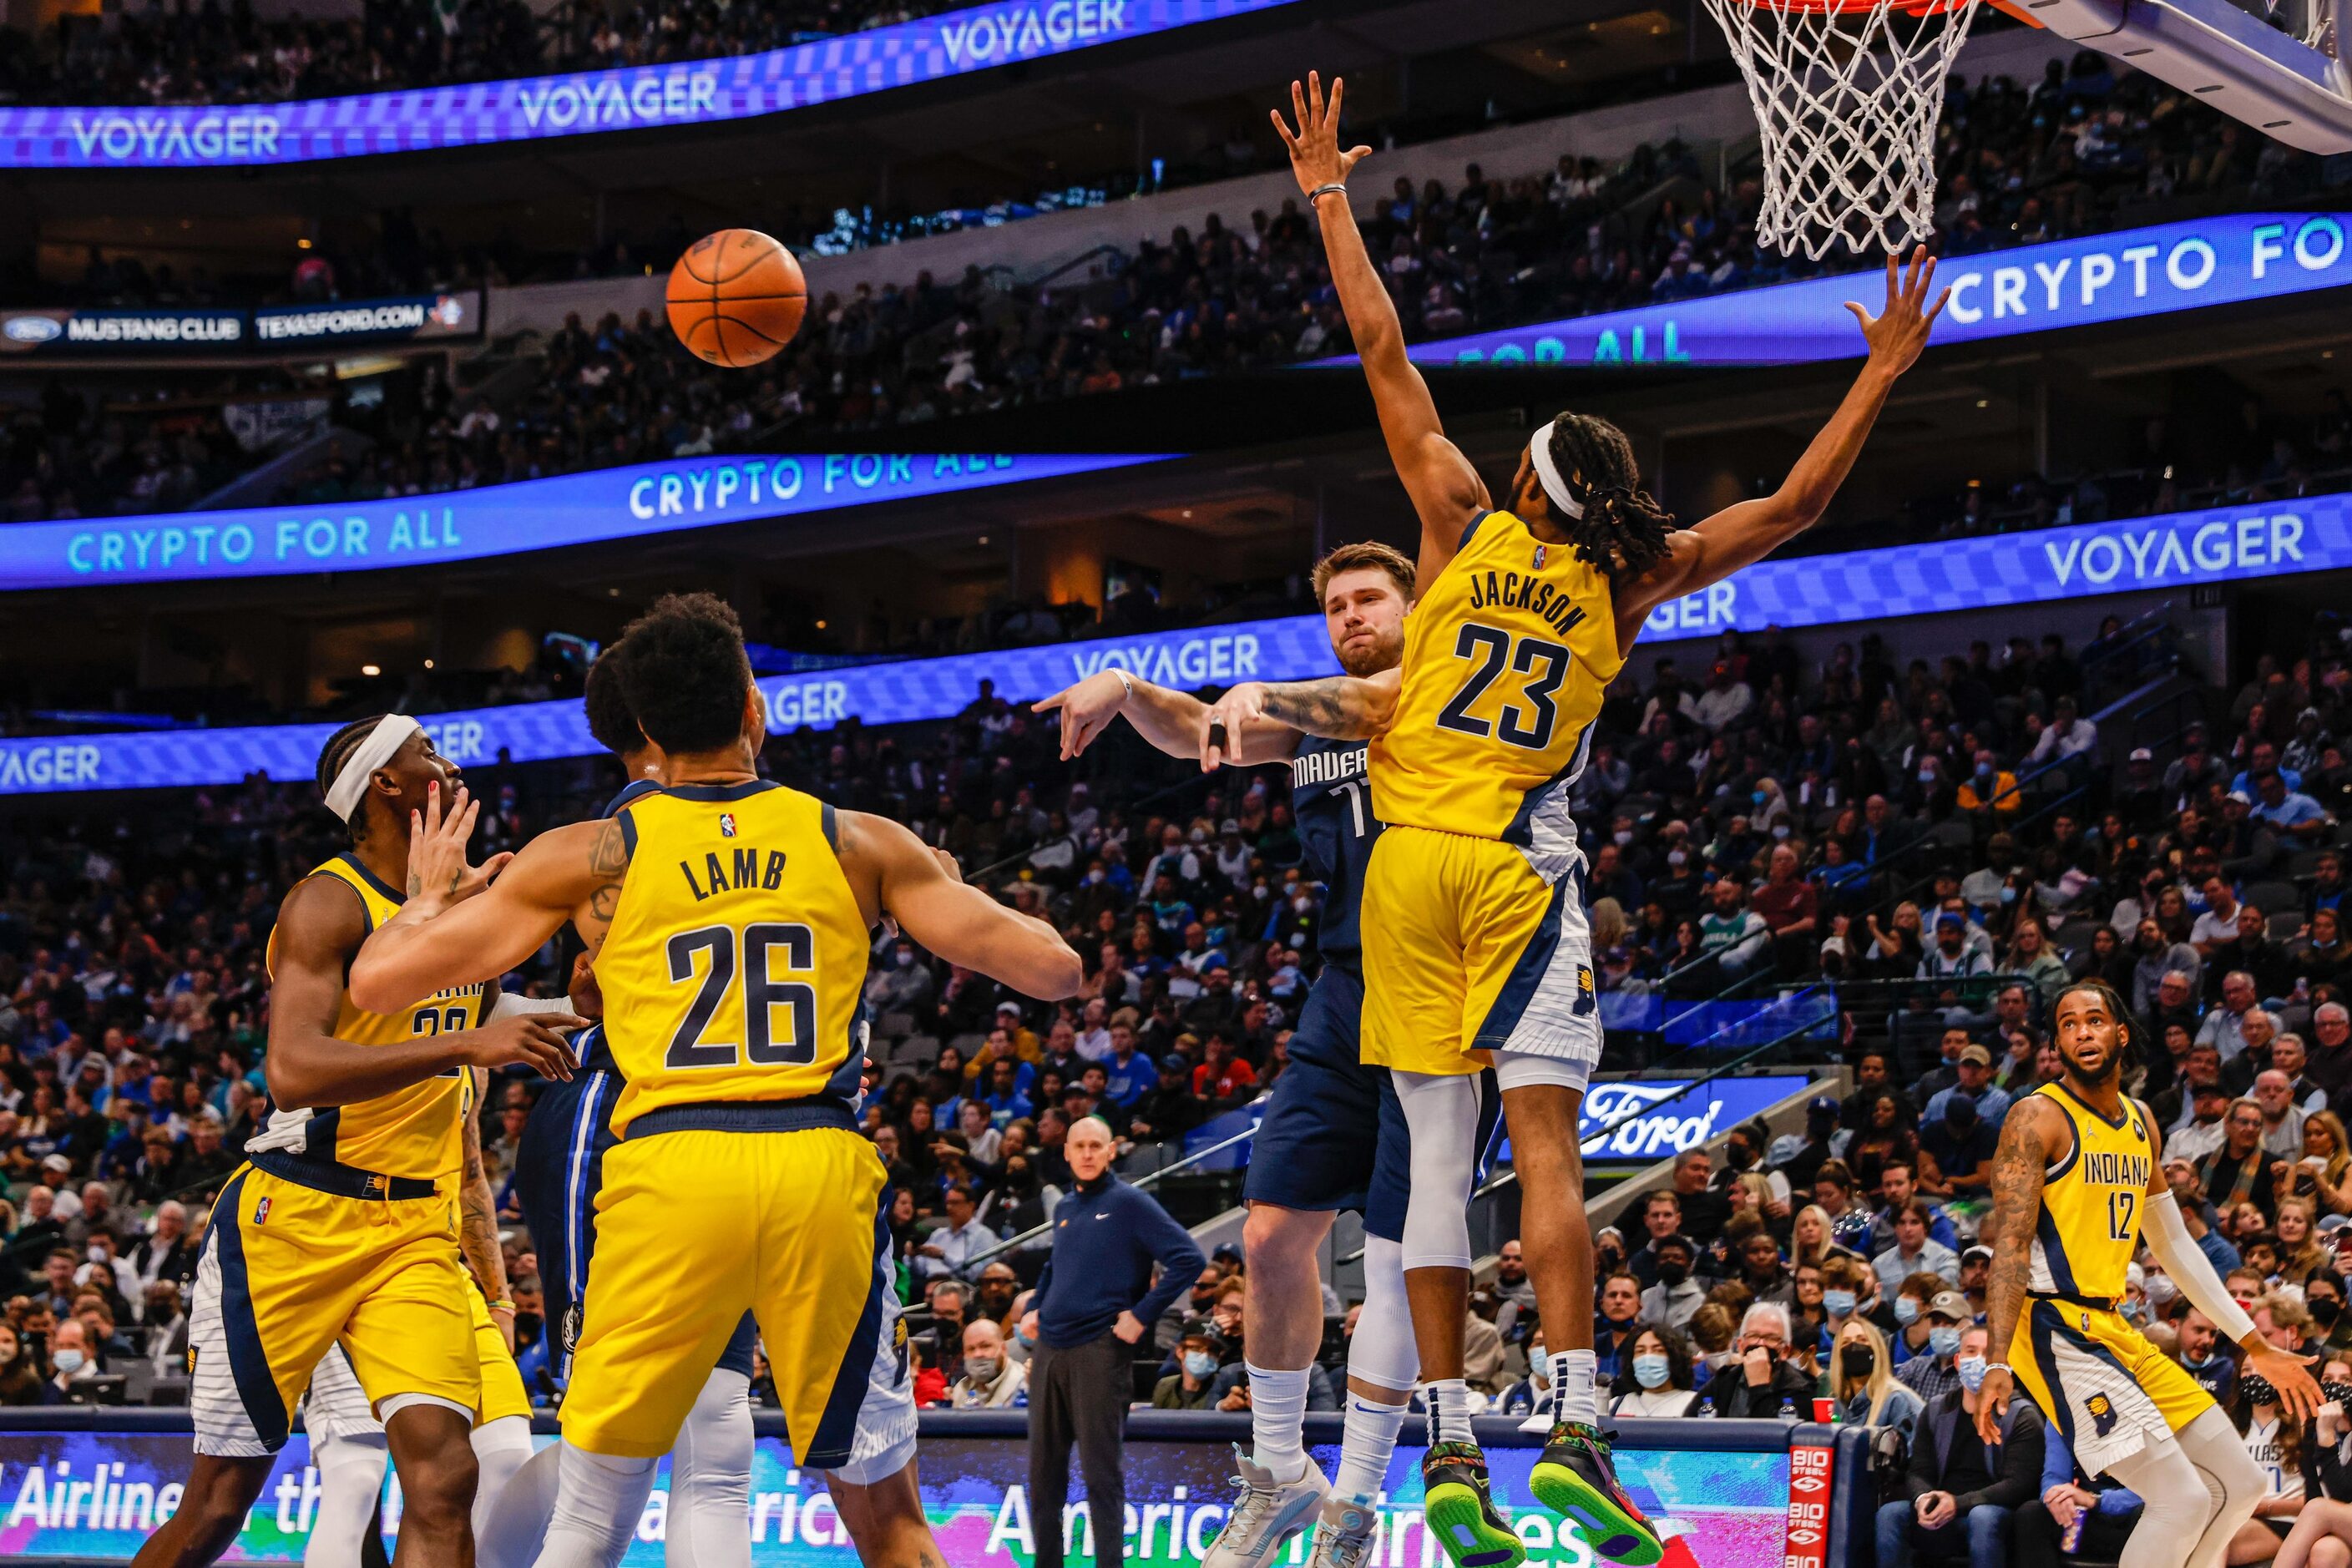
(1332, 799)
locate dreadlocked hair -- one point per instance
(1623, 530)
(335, 753)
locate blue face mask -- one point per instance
(1944, 1341)
(1838, 1303)
(1650, 1370)
(1906, 1310)
(1972, 1369)
(1200, 1363)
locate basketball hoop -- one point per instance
(1847, 94)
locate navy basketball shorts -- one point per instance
(1333, 1136)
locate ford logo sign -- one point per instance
(33, 329)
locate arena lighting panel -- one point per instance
(2127, 275)
(581, 103)
(2310, 533)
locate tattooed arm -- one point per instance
(434, 941)
(1337, 707)
(478, 1220)
(2034, 1134)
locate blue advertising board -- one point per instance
(501, 520)
(690, 92)
(2120, 277)
(270, 329)
(2310, 533)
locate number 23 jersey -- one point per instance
(1506, 659)
(732, 968)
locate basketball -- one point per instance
(736, 297)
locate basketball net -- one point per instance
(1847, 95)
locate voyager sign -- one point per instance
(2307, 534)
(2119, 276)
(581, 102)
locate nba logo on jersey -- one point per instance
(261, 1211)
(2103, 1413)
(1542, 553)
(726, 824)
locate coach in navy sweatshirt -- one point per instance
(1094, 1301)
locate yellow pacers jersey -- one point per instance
(415, 1132)
(2090, 1202)
(736, 951)
(1505, 657)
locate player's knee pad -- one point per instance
(713, 1453)
(351, 1480)
(516, 1526)
(1382, 1351)
(1441, 1112)
(501, 1447)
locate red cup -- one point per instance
(1824, 1411)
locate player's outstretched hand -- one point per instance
(1993, 1404)
(529, 1039)
(436, 848)
(1221, 724)
(1315, 155)
(1087, 710)
(1898, 333)
(2289, 1376)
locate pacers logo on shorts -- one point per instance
(2103, 1413)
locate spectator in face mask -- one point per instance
(1190, 1386)
(1763, 1379)
(990, 1379)
(1960, 1495)
(1655, 1379)
(1934, 1375)
(1865, 1386)
(2200, 1355)
(1677, 1297)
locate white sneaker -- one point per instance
(1343, 1535)
(1266, 1515)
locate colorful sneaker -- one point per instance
(1343, 1535)
(1266, 1515)
(1576, 1480)
(1458, 1507)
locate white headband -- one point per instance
(1555, 489)
(390, 732)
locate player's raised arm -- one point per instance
(2169, 1243)
(1336, 707)
(1744, 535)
(438, 939)
(894, 873)
(1445, 489)
(2030, 1133)
(1168, 720)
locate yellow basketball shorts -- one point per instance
(695, 1227)
(2109, 1389)
(502, 1392)
(288, 1270)
(1467, 950)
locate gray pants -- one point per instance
(1078, 1395)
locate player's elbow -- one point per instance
(1059, 973)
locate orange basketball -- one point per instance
(736, 297)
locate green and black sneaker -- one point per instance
(1576, 1480)
(1458, 1509)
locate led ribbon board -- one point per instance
(2225, 544)
(578, 103)
(599, 506)
(2118, 276)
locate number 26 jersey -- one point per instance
(1506, 659)
(732, 968)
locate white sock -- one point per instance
(1371, 1438)
(1575, 1397)
(501, 1447)
(1448, 1401)
(598, 1501)
(351, 1479)
(1278, 1420)
(710, 1478)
